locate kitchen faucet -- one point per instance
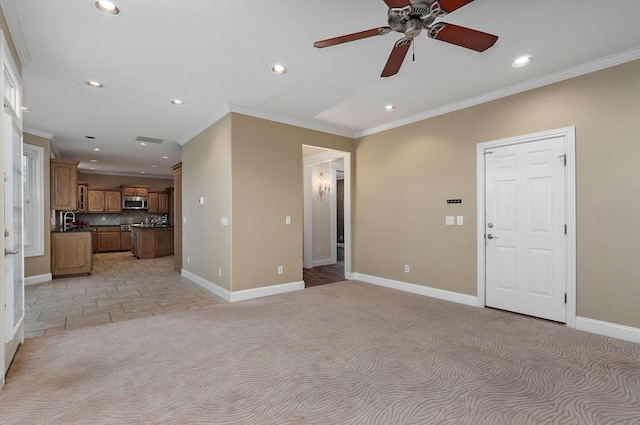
(66, 225)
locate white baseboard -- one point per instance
(209, 286)
(612, 330)
(34, 280)
(265, 291)
(247, 294)
(325, 262)
(417, 289)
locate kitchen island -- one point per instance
(152, 241)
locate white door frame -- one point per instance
(310, 161)
(569, 136)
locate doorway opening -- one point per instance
(327, 223)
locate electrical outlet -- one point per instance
(280, 269)
(188, 259)
(103, 217)
(406, 268)
(460, 220)
(287, 220)
(219, 271)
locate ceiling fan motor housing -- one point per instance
(411, 19)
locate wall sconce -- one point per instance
(323, 186)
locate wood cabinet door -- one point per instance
(153, 203)
(95, 199)
(142, 191)
(113, 201)
(64, 185)
(108, 241)
(125, 241)
(163, 203)
(128, 191)
(71, 253)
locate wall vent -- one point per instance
(149, 140)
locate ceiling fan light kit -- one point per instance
(410, 17)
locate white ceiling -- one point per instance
(216, 56)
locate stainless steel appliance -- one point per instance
(135, 203)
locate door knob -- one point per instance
(11, 251)
(490, 236)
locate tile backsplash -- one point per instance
(125, 217)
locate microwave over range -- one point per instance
(135, 203)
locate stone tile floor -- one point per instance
(120, 287)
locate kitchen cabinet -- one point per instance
(71, 253)
(104, 201)
(152, 206)
(64, 185)
(94, 240)
(125, 241)
(109, 239)
(152, 242)
(163, 203)
(158, 203)
(135, 191)
(83, 188)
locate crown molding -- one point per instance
(12, 17)
(565, 74)
(38, 133)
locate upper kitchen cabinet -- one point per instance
(135, 191)
(158, 203)
(64, 184)
(104, 201)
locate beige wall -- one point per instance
(249, 170)
(206, 172)
(267, 187)
(406, 174)
(36, 266)
(105, 181)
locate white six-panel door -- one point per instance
(525, 220)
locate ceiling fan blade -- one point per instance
(451, 5)
(397, 3)
(462, 36)
(396, 57)
(352, 37)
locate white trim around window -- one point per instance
(33, 200)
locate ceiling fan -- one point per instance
(410, 17)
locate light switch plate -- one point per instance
(449, 220)
(460, 220)
(224, 221)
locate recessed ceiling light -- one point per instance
(25, 109)
(143, 144)
(107, 7)
(279, 69)
(165, 157)
(92, 168)
(177, 102)
(93, 160)
(95, 84)
(96, 149)
(154, 166)
(143, 172)
(390, 108)
(521, 61)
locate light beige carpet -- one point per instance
(345, 353)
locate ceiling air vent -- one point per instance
(149, 140)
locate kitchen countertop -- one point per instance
(85, 229)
